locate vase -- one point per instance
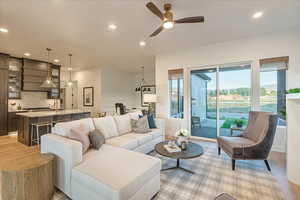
(181, 139)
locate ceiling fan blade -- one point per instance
(157, 31)
(198, 19)
(152, 7)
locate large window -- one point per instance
(273, 86)
(176, 93)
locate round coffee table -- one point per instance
(193, 150)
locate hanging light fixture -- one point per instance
(70, 82)
(142, 82)
(48, 83)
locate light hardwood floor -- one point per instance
(11, 149)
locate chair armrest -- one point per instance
(68, 154)
(161, 124)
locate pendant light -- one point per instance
(48, 83)
(70, 82)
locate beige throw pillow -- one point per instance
(81, 134)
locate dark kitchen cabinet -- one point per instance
(54, 93)
(14, 78)
(13, 121)
(3, 93)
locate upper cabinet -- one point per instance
(25, 74)
(14, 78)
(35, 73)
(54, 93)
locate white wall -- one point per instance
(117, 87)
(89, 78)
(248, 49)
(110, 86)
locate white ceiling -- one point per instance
(81, 27)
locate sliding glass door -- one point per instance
(234, 99)
(220, 100)
(204, 103)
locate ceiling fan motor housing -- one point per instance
(167, 7)
(168, 14)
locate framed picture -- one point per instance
(88, 96)
(147, 89)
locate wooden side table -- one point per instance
(28, 178)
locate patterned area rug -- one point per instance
(213, 176)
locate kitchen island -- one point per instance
(27, 119)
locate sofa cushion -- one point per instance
(64, 128)
(124, 141)
(142, 138)
(155, 133)
(115, 173)
(234, 145)
(123, 123)
(107, 126)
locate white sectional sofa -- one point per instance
(119, 170)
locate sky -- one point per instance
(238, 79)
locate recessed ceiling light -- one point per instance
(70, 68)
(27, 54)
(56, 60)
(257, 15)
(142, 43)
(112, 26)
(3, 30)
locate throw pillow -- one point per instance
(81, 134)
(141, 125)
(97, 139)
(151, 120)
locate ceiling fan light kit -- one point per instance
(167, 18)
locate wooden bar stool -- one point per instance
(35, 138)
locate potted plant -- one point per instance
(293, 91)
(182, 136)
(239, 123)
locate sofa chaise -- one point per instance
(119, 170)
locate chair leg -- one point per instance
(233, 164)
(267, 164)
(219, 151)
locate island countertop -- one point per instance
(50, 113)
(27, 130)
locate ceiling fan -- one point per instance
(167, 18)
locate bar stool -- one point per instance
(35, 138)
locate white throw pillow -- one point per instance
(64, 128)
(123, 124)
(107, 126)
(135, 115)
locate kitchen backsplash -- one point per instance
(31, 100)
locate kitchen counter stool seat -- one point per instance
(35, 135)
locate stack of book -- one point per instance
(172, 148)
